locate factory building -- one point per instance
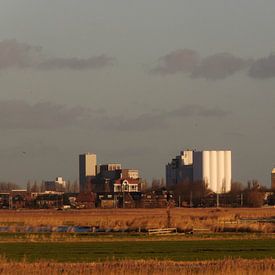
(211, 167)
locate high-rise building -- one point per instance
(87, 169)
(273, 179)
(211, 167)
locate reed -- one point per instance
(183, 218)
(228, 266)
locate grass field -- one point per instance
(161, 250)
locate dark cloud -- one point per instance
(182, 60)
(214, 67)
(19, 55)
(74, 63)
(219, 66)
(263, 67)
(16, 114)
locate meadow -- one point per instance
(161, 250)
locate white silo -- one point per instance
(221, 188)
(228, 170)
(213, 171)
(206, 167)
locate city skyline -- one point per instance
(135, 83)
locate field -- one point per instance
(184, 218)
(227, 241)
(160, 250)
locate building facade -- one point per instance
(211, 167)
(87, 170)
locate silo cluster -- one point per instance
(214, 169)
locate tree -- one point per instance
(255, 198)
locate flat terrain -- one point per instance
(161, 250)
(146, 218)
(225, 241)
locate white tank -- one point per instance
(228, 170)
(213, 171)
(221, 185)
(206, 167)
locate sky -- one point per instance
(135, 82)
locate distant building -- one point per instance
(127, 185)
(130, 173)
(273, 179)
(211, 167)
(87, 170)
(57, 185)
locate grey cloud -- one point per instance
(197, 110)
(18, 55)
(182, 60)
(214, 67)
(263, 68)
(160, 120)
(74, 63)
(16, 114)
(219, 66)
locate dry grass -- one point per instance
(238, 267)
(184, 218)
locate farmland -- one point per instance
(245, 235)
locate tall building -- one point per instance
(211, 167)
(87, 169)
(273, 179)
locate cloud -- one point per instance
(197, 110)
(182, 60)
(18, 55)
(74, 63)
(17, 114)
(187, 61)
(159, 120)
(263, 68)
(219, 66)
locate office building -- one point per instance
(87, 170)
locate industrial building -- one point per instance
(211, 167)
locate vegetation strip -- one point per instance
(162, 250)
